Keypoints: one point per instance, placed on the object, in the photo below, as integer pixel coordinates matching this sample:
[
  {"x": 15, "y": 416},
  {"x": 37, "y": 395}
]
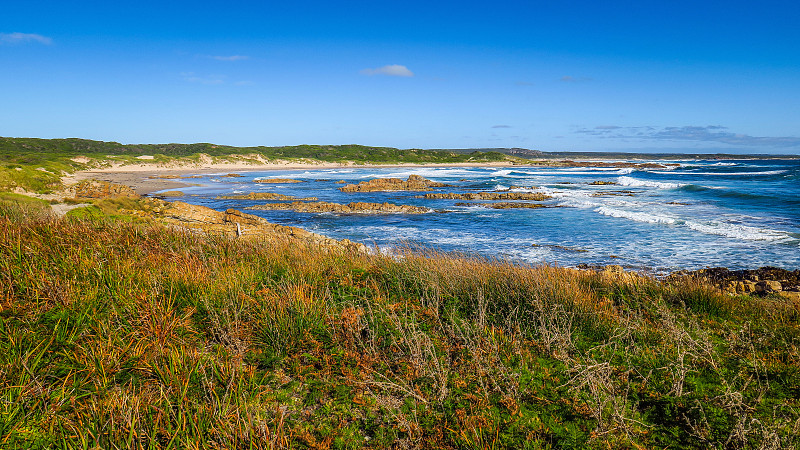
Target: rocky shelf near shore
[
  {"x": 350, "y": 208},
  {"x": 505, "y": 205},
  {"x": 413, "y": 183},
  {"x": 622, "y": 193},
  {"x": 263, "y": 196},
  {"x": 96, "y": 189},
  {"x": 764, "y": 280},
  {"x": 535, "y": 196},
  {"x": 231, "y": 223}
]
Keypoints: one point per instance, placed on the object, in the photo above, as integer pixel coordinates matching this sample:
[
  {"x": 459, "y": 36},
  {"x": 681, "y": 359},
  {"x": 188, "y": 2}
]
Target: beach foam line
[
  {"x": 635, "y": 182},
  {"x": 727, "y": 174},
  {"x": 735, "y": 231}
]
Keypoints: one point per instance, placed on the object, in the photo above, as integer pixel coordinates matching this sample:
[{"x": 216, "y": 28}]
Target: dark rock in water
[
  {"x": 350, "y": 208},
  {"x": 602, "y": 183},
  {"x": 414, "y": 183},
  {"x": 561, "y": 247},
  {"x": 231, "y": 175},
  {"x": 490, "y": 196},
  {"x": 262, "y": 196},
  {"x": 678, "y": 203},
  {"x": 506, "y": 205},
  {"x": 613, "y": 193}
]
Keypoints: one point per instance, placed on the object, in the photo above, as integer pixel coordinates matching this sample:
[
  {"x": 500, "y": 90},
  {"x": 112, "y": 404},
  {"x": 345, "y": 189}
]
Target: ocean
[{"x": 738, "y": 214}]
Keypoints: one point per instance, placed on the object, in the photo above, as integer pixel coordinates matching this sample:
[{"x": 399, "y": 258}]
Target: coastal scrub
[{"x": 120, "y": 334}]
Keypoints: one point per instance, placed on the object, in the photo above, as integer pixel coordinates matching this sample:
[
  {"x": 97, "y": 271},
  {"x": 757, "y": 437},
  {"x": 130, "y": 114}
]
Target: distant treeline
[{"x": 32, "y": 151}]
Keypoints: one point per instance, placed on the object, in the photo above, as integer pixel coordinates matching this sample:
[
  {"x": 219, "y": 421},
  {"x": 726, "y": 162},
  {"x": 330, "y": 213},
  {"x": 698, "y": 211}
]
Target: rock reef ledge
[
  {"x": 350, "y": 208},
  {"x": 535, "y": 196},
  {"x": 414, "y": 183},
  {"x": 234, "y": 223}
]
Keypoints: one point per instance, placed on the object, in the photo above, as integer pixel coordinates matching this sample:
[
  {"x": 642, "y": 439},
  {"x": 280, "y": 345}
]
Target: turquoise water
[{"x": 736, "y": 214}]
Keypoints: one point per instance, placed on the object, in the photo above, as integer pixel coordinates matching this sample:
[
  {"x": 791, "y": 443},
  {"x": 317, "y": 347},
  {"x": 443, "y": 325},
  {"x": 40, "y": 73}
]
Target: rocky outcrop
[
  {"x": 277, "y": 180},
  {"x": 414, "y": 183},
  {"x": 505, "y": 205},
  {"x": 168, "y": 194},
  {"x": 602, "y": 183},
  {"x": 765, "y": 280},
  {"x": 96, "y": 189},
  {"x": 535, "y": 196},
  {"x": 262, "y": 196},
  {"x": 613, "y": 193},
  {"x": 233, "y": 223},
  {"x": 232, "y": 175},
  {"x": 350, "y": 208}
]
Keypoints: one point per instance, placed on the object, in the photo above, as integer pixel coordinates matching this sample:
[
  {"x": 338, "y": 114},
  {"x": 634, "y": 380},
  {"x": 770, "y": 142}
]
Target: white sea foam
[
  {"x": 735, "y": 231},
  {"x": 500, "y": 187},
  {"x": 427, "y": 172},
  {"x": 635, "y": 182},
  {"x": 636, "y": 216},
  {"x": 725, "y": 174}
]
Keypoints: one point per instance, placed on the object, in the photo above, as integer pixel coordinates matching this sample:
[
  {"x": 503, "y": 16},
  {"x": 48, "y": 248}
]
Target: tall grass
[{"x": 122, "y": 335}]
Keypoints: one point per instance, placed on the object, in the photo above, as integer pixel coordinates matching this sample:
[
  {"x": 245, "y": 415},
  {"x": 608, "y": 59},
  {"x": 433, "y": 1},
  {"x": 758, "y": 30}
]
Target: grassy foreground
[{"x": 123, "y": 335}]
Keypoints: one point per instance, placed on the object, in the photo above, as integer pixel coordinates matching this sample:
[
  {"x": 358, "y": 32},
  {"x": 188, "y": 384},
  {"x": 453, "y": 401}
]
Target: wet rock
[
  {"x": 613, "y": 194},
  {"x": 350, "y": 208},
  {"x": 489, "y": 196},
  {"x": 262, "y": 196},
  {"x": 413, "y": 183},
  {"x": 505, "y": 205},
  {"x": 231, "y": 175},
  {"x": 603, "y": 183}
]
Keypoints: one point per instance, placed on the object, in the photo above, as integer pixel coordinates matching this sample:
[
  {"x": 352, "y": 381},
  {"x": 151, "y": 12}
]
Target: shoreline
[{"x": 137, "y": 176}]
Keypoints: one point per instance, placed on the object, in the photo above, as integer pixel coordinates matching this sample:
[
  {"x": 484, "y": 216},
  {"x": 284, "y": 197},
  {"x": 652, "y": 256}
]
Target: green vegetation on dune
[
  {"x": 36, "y": 164},
  {"x": 123, "y": 335}
]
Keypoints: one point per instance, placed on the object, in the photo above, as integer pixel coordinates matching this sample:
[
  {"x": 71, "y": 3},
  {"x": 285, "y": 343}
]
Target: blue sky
[{"x": 555, "y": 76}]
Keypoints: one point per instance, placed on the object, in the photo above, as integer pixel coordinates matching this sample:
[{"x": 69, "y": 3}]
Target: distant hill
[{"x": 33, "y": 151}]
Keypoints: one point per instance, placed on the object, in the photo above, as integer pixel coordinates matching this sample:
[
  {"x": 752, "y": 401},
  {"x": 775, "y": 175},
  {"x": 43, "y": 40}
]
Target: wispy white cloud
[
  {"x": 22, "y": 38},
  {"x": 393, "y": 70},
  {"x": 230, "y": 58},
  {"x": 501, "y": 126},
  {"x": 709, "y": 133}
]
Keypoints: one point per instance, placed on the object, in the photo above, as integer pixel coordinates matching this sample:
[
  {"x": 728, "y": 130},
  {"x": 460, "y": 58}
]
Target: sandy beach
[{"x": 143, "y": 178}]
